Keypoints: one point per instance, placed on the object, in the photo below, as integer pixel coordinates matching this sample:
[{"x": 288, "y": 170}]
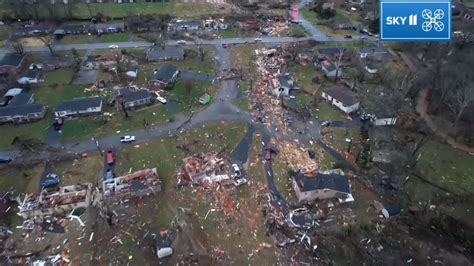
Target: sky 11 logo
[{"x": 417, "y": 20}]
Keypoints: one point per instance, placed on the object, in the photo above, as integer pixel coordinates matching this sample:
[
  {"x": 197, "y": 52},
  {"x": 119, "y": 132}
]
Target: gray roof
[
  {"x": 285, "y": 81},
  {"x": 32, "y": 73},
  {"x": 334, "y": 182},
  {"x": 329, "y": 51},
  {"x": 346, "y": 97},
  {"x": 21, "y": 99},
  {"x": 131, "y": 96},
  {"x": 162, "y": 240},
  {"x": 165, "y": 73},
  {"x": 158, "y": 53},
  {"x": 78, "y": 104},
  {"x": 373, "y": 49},
  {"x": 187, "y": 24},
  {"x": 105, "y": 26},
  {"x": 11, "y": 60},
  {"x": 22, "y": 110}
]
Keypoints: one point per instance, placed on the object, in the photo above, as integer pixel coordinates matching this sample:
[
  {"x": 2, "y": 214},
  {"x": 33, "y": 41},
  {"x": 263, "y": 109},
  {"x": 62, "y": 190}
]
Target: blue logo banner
[{"x": 417, "y": 20}]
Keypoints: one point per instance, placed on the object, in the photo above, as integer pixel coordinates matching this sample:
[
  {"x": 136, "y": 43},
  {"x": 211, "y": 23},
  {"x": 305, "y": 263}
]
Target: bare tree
[
  {"x": 120, "y": 102},
  {"x": 17, "y": 46},
  {"x": 48, "y": 41},
  {"x": 338, "y": 64},
  {"x": 459, "y": 99}
]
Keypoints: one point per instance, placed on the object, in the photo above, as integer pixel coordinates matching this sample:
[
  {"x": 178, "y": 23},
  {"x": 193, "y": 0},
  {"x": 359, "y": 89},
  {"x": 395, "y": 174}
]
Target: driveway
[
  {"x": 241, "y": 152},
  {"x": 53, "y": 137},
  {"x": 196, "y": 76}
]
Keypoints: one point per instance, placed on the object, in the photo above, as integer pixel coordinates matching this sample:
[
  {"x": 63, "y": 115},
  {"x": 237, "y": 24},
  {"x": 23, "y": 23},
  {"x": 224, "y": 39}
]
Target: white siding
[{"x": 385, "y": 121}]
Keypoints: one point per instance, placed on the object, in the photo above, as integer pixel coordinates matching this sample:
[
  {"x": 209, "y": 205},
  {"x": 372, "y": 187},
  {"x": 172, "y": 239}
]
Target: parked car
[
  {"x": 113, "y": 46},
  {"x": 267, "y": 154},
  {"x": 126, "y": 139},
  {"x": 326, "y": 123},
  {"x": 181, "y": 42},
  {"x": 109, "y": 174},
  {"x": 51, "y": 180},
  {"x": 110, "y": 157},
  {"x": 236, "y": 169},
  {"x": 6, "y": 159},
  {"x": 205, "y": 99},
  {"x": 240, "y": 181},
  {"x": 161, "y": 99},
  {"x": 348, "y": 36},
  {"x": 224, "y": 45},
  {"x": 257, "y": 39}
]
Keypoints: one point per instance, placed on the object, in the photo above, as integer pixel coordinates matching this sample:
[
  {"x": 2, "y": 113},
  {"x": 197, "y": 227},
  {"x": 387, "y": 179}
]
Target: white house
[
  {"x": 342, "y": 98},
  {"x": 32, "y": 76},
  {"x": 387, "y": 121},
  {"x": 132, "y": 72},
  {"x": 330, "y": 69},
  {"x": 329, "y": 184},
  {"x": 79, "y": 106}
]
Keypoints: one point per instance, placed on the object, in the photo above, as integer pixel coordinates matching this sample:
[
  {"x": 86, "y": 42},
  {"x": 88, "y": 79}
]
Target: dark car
[
  {"x": 109, "y": 174},
  {"x": 51, "y": 180},
  {"x": 224, "y": 45},
  {"x": 110, "y": 157},
  {"x": 267, "y": 154},
  {"x": 5, "y": 159},
  {"x": 348, "y": 36}
]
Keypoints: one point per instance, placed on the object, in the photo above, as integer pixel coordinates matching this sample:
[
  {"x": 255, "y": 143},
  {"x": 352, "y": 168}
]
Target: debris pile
[
  {"x": 56, "y": 201},
  {"x": 295, "y": 156},
  {"x": 136, "y": 184},
  {"x": 205, "y": 169}
]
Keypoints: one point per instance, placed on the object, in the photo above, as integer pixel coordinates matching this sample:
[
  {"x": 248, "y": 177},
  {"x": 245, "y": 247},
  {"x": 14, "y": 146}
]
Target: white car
[
  {"x": 181, "y": 42},
  {"x": 236, "y": 169},
  {"x": 257, "y": 39},
  {"x": 240, "y": 181},
  {"x": 161, "y": 99},
  {"x": 113, "y": 46},
  {"x": 126, "y": 139}
]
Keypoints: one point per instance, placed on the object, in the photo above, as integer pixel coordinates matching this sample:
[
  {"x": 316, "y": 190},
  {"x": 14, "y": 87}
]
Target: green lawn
[
  {"x": 62, "y": 76},
  {"x": 4, "y": 30},
  {"x": 335, "y": 137},
  {"x": 187, "y": 100},
  {"x": 324, "y": 25},
  {"x": 114, "y": 37},
  {"x": 325, "y": 111},
  {"x": 98, "y": 126},
  {"x": 231, "y": 32},
  {"x": 304, "y": 76},
  {"x": 82, "y": 38}
]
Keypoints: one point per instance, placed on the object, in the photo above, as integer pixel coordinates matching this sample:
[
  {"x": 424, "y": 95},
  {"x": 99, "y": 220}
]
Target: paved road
[{"x": 193, "y": 75}]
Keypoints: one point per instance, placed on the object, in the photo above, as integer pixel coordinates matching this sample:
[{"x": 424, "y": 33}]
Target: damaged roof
[
  {"x": 165, "y": 73},
  {"x": 132, "y": 96},
  {"x": 332, "y": 181},
  {"x": 79, "y": 104}
]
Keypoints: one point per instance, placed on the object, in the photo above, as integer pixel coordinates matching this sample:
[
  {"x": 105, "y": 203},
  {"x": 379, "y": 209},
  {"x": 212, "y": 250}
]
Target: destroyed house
[
  {"x": 31, "y": 76},
  {"x": 282, "y": 85},
  {"x": 165, "y": 76},
  {"x": 22, "y": 113},
  {"x": 324, "y": 185},
  {"x": 330, "y": 69},
  {"x": 79, "y": 106},
  {"x": 204, "y": 169},
  {"x": 136, "y": 184},
  {"x": 134, "y": 98},
  {"x": 168, "y": 53},
  {"x": 375, "y": 52},
  {"x": 56, "y": 202},
  {"x": 163, "y": 244},
  {"x": 330, "y": 53},
  {"x": 342, "y": 98},
  {"x": 187, "y": 25},
  {"x": 12, "y": 63}
]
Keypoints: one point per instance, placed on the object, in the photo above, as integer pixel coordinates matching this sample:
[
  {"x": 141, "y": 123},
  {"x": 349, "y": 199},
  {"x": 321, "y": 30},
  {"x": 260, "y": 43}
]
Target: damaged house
[
  {"x": 134, "y": 98},
  {"x": 56, "y": 202},
  {"x": 330, "y": 69},
  {"x": 324, "y": 185},
  {"x": 136, "y": 184},
  {"x": 282, "y": 85},
  {"x": 165, "y": 76},
  {"x": 205, "y": 169}
]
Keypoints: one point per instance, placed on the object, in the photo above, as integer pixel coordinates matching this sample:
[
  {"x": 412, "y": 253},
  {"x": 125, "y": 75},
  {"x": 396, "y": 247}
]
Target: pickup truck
[{"x": 126, "y": 139}]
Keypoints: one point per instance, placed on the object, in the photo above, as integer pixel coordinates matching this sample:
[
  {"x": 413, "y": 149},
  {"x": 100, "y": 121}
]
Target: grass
[
  {"x": 115, "y": 37},
  {"x": 62, "y": 76},
  {"x": 244, "y": 104},
  {"x": 304, "y": 76},
  {"x": 98, "y": 126},
  {"x": 283, "y": 181},
  {"x": 189, "y": 100},
  {"x": 335, "y": 137},
  {"x": 231, "y": 32},
  {"x": 20, "y": 179},
  {"x": 326, "y": 111},
  {"x": 297, "y": 30},
  {"x": 324, "y": 25},
  {"x": 84, "y": 170},
  {"x": 81, "y": 38},
  {"x": 4, "y": 30}
]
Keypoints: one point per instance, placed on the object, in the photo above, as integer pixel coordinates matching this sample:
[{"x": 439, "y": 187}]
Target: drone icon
[{"x": 432, "y": 20}]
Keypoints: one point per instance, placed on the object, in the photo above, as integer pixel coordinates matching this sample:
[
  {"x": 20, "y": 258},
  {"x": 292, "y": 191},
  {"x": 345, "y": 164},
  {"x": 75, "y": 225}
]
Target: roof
[
  {"x": 104, "y": 26},
  {"x": 187, "y": 23},
  {"x": 165, "y": 73},
  {"x": 32, "y": 73},
  {"x": 131, "y": 96},
  {"x": 285, "y": 81},
  {"x": 158, "y": 53},
  {"x": 346, "y": 97},
  {"x": 133, "y": 68},
  {"x": 22, "y": 110},
  {"x": 77, "y": 27},
  {"x": 329, "y": 66},
  {"x": 11, "y": 60},
  {"x": 329, "y": 51},
  {"x": 162, "y": 240},
  {"x": 332, "y": 181},
  {"x": 78, "y": 104},
  {"x": 13, "y": 92},
  {"x": 21, "y": 99},
  {"x": 373, "y": 49}
]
